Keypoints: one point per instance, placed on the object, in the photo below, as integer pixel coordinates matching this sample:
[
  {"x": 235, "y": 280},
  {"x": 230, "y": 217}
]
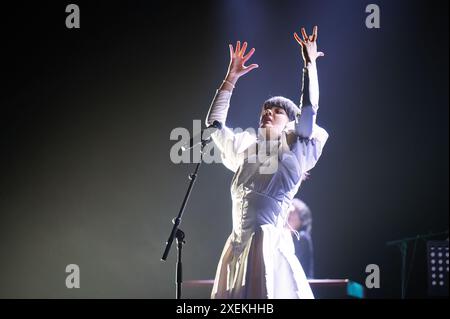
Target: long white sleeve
[
  {"x": 305, "y": 124},
  {"x": 219, "y": 108},
  {"x": 311, "y": 137},
  {"x": 231, "y": 145}
]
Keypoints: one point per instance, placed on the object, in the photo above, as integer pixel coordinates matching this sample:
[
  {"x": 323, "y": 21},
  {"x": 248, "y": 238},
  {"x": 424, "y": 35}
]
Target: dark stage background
[{"x": 86, "y": 115}]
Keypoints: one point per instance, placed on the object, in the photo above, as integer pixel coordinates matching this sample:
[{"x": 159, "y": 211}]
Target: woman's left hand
[{"x": 309, "y": 46}]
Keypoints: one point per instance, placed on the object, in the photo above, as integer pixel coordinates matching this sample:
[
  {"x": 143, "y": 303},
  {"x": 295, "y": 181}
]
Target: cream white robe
[{"x": 258, "y": 260}]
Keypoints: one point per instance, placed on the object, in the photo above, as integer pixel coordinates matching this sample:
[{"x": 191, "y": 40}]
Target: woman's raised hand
[
  {"x": 309, "y": 45},
  {"x": 238, "y": 58}
]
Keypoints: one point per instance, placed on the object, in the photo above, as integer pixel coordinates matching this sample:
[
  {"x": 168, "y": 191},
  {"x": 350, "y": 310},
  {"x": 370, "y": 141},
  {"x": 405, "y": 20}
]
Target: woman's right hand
[{"x": 236, "y": 69}]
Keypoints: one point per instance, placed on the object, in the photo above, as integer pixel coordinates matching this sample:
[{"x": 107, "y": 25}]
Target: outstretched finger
[
  {"x": 244, "y": 47},
  {"x": 251, "y": 67},
  {"x": 315, "y": 33},
  {"x": 249, "y": 55},
  {"x": 305, "y": 36},
  {"x": 297, "y": 38},
  {"x": 320, "y": 54},
  {"x": 238, "y": 47},
  {"x": 231, "y": 51}
]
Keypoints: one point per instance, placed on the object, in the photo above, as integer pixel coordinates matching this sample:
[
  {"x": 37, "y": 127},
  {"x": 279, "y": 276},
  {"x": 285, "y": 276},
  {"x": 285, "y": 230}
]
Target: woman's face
[
  {"x": 273, "y": 121},
  {"x": 274, "y": 118}
]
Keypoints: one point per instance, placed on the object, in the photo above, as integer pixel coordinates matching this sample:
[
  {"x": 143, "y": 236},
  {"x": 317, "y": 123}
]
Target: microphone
[{"x": 199, "y": 138}]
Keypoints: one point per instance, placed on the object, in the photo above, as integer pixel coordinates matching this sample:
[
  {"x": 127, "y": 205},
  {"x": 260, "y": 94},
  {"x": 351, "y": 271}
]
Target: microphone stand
[
  {"x": 402, "y": 244},
  {"x": 176, "y": 231}
]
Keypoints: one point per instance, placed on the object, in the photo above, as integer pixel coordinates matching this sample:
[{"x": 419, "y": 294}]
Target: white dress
[{"x": 258, "y": 260}]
